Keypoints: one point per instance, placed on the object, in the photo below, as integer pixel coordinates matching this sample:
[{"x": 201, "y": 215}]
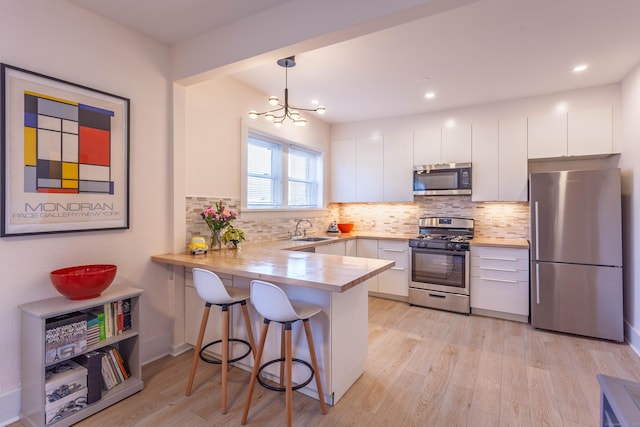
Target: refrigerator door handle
[
  {"x": 537, "y": 243},
  {"x": 537, "y": 283},
  {"x": 537, "y": 238}
]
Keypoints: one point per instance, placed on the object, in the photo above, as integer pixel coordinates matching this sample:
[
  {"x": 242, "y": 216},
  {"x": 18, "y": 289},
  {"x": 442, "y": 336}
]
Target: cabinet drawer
[
  {"x": 506, "y": 274},
  {"x": 495, "y": 252},
  {"x": 399, "y": 256},
  {"x": 500, "y": 296},
  {"x": 504, "y": 261}
]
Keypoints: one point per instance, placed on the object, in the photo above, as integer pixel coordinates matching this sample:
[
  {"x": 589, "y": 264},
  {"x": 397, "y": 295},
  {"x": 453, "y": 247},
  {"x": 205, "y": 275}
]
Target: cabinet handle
[
  {"x": 498, "y": 269},
  {"x": 498, "y": 280},
  {"x": 393, "y": 250},
  {"x": 397, "y": 268},
  {"x": 499, "y": 259}
]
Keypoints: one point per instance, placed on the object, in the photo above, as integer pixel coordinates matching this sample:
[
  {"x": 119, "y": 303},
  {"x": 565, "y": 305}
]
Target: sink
[{"x": 312, "y": 239}]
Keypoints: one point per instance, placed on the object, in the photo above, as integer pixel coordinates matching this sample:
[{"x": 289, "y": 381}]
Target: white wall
[
  {"x": 61, "y": 40},
  {"x": 215, "y": 111},
  {"x": 630, "y": 137}
]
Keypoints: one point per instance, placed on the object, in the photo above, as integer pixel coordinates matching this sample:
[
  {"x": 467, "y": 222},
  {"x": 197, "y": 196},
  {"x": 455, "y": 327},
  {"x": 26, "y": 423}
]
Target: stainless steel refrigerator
[{"x": 576, "y": 252}]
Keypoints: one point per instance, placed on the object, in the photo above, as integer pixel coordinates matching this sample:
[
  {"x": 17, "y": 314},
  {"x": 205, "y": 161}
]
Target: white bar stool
[
  {"x": 273, "y": 304},
  {"x": 211, "y": 289}
]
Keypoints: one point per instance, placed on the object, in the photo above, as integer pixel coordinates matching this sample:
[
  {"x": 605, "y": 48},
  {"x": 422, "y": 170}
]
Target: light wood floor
[{"x": 425, "y": 368}]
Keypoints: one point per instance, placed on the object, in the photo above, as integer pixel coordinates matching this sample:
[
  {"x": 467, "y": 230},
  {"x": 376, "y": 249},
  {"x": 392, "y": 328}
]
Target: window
[{"x": 281, "y": 174}]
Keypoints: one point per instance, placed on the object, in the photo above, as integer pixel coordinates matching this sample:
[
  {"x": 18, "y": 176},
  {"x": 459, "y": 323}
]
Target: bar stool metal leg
[
  {"x": 225, "y": 356},
  {"x": 196, "y": 354},
  {"x": 288, "y": 368}
]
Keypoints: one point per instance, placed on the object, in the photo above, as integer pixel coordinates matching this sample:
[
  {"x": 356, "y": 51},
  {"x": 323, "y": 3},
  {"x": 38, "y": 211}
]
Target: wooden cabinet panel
[{"x": 334, "y": 248}]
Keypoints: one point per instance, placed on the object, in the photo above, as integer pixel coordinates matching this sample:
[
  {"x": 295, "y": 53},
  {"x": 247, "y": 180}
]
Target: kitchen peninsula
[{"x": 332, "y": 282}]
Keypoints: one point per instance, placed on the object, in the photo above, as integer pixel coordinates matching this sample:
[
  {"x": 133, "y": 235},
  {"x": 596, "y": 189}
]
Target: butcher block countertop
[
  {"x": 278, "y": 261},
  {"x": 502, "y": 243}
]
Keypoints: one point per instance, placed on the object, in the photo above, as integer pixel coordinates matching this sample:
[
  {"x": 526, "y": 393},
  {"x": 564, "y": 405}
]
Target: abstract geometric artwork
[
  {"x": 65, "y": 163},
  {"x": 66, "y": 146}
]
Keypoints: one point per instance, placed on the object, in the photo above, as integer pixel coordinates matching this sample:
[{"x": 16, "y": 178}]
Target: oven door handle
[{"x": 440, "y": 251}]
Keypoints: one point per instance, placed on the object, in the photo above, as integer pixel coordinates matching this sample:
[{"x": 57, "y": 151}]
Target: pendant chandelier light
[{"x": 284, "y": 111}]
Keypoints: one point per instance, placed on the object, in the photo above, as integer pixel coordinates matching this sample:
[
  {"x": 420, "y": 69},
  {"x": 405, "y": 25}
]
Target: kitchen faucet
[{"x": 297, "y": 233}]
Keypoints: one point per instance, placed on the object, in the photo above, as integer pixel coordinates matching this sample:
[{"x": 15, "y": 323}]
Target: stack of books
[
  {"x": 95, "y": 327},
  {"x": 114, "y": 371}
]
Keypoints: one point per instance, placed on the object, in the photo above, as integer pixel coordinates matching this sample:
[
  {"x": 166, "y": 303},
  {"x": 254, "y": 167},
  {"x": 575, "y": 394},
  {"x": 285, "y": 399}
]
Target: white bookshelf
[{"x": 33, "y": 318}]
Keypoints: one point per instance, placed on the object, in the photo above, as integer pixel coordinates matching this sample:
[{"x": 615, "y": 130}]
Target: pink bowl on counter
[{"x": 83, "y": 281}]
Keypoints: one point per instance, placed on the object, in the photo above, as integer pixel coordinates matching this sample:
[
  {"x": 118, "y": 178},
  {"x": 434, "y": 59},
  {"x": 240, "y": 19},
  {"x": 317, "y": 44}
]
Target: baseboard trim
[
  {"x": 10, "y": 407},
  {"x": 632, "y": 337}
]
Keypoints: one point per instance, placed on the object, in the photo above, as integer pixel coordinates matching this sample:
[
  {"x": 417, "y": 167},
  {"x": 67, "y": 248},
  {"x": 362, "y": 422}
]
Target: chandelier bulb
[
  {"x": 295, "y": 115},
  {"x": 273, "y": 100},
  {"x": 321, "y": 110},
  {"x": 277, "y": 123},
  {"x": 253, "y": 114},
  {"x": 269, "y": 116}
]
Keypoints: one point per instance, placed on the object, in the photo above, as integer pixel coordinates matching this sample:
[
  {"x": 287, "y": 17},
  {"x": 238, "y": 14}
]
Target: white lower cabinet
[
  {"x": 333, "y": 248},
  {"x": 368, "y": 248},
  {"x": 394, "y": 281},
  {"x": 500, "y": 282}
]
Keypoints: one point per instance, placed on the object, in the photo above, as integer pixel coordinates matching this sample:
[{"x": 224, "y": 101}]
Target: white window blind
[
  {"x": 271, "y": 185},
  {"x": 264, "y": 173}
]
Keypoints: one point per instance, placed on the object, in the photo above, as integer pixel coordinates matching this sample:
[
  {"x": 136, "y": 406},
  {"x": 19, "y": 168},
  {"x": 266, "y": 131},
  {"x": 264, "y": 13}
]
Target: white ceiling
[{"x": 487, "y": 51}]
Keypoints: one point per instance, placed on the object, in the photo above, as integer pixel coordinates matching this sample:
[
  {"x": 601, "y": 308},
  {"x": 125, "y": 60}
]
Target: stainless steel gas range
[{"x": 440, "y": 264}]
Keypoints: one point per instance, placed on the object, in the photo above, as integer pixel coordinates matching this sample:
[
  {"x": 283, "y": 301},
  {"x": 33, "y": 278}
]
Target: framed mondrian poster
[{"x": 64, "y": 156}]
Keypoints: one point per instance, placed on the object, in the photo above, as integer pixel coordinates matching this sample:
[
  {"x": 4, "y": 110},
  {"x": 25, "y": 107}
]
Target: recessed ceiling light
[
  {"x": 430, "y": 95},
  {"x": 580, "y": 68},
  {"x": 451, "y": 123}
]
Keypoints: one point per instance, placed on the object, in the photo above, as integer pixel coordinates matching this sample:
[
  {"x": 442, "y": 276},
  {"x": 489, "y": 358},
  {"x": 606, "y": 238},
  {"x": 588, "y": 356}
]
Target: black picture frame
[{"x": 64, "y": 156}]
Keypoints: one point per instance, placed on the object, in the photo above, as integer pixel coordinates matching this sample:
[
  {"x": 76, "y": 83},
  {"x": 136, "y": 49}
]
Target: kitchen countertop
[
  {"x": 279, "y": 261},
  {"x": 498, "y": 242}
]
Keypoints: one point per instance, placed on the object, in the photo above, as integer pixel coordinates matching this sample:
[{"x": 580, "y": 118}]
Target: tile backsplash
[{"x": 500, "y": 220}]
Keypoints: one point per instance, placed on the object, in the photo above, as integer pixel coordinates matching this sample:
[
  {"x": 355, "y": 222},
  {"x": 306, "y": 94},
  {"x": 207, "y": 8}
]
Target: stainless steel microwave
[{"x": 442, "y": 180}]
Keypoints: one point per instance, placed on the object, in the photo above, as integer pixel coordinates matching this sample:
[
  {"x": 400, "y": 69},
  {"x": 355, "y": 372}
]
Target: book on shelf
[
  {"x": 92, "y": 360},
  {"x": 113, "y": 367},
  {"x": 108, "y": 376},
  {"x": 108, "y": 320},
  {"x": 126, "y": 314}
]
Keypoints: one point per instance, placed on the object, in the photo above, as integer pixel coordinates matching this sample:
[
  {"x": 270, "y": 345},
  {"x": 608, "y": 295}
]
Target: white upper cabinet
[
  {"x": 397, "y": 173},
  {"x": 427, "y": 146},
  {"x": 499, "y": 160},
  {"x": 369, "y": 165},
  {"x": 485, "y": 179},
  {"x": 547, "y": 136},
  {"x": 512, "y": 159},
  {"x": 576, "y": 133},
  {"x": 590, "y": 132},
  {"x": 456, "y": 143},
  {"x": 343, "y": 170},
  {"x": 436, "y": 144}
]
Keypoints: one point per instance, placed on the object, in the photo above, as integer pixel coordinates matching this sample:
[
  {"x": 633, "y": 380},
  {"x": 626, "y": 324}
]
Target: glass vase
[{"x": 215, "y": 241}]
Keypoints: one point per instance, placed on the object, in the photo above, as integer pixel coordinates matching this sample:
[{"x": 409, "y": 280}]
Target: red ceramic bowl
[
  {"x": 345, "y": 227},
  {"x": 83, "y": 281}
]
